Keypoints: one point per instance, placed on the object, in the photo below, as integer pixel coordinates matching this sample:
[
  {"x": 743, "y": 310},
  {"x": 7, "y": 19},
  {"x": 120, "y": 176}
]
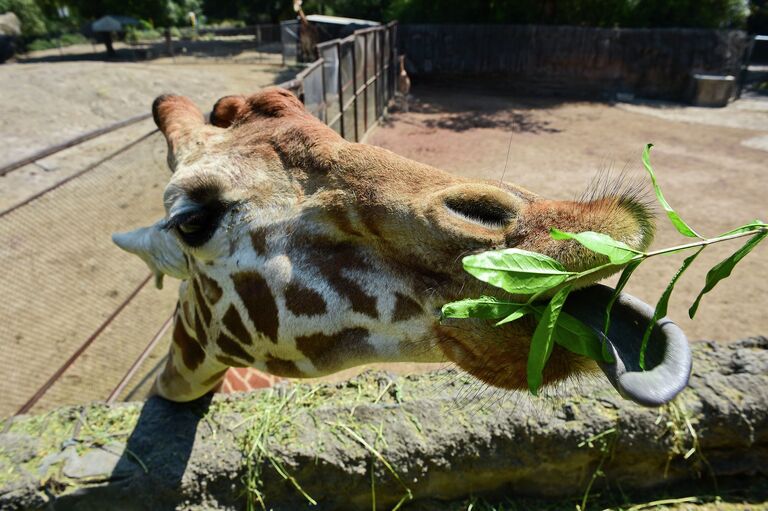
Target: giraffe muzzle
[{"x": 668, "y": 356}]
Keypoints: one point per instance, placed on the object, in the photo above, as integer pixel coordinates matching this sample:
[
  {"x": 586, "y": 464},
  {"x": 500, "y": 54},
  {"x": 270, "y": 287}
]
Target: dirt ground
[
  {"x": 47, "y": 103},
  {"x": 63, "y": 276},
  {"x": 706, "y": 160}
]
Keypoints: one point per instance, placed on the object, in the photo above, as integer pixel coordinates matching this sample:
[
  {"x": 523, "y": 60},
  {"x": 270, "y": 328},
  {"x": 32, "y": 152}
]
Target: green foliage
[
  {"x": 543, "y": 340},
  {"x": 485, "y": 307},
  {"x": 30, "y": 15},
  {"x": 64, "y": 40},
  {"x": 527, "y": 273},
  {"x": 133, "y": 35},
  {"x": 724, "y": 268},
  {"x": 678, "y": 222},
  {"x": 516, "y": 271},
  {"x": 600, "y": 13},
  {"x": 617, "y": 251},
  {"x": 661, "y": 306},
  {"x": 757, "y": 23},
  {"x": 252, "y": 11},
  {"x": 178, "y": 12}
]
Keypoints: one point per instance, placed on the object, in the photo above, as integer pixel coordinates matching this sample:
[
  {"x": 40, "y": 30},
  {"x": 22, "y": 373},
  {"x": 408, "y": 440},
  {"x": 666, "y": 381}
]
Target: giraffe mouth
[{"x": 668, "y": 356}]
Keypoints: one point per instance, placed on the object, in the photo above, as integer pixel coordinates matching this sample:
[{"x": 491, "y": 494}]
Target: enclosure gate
[{"x": 350, "y": 85}]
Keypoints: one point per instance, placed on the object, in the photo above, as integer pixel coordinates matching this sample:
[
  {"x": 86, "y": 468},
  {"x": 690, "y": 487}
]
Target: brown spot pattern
[
  {"x": 235, "y": 325},
  {"x": 259, "y": 240},
  {"x": 405, "y": 308},
  {"x": 232, "y": 348},
  {"x": 339, "y": 216},
  {"x": 202, "y": 337},
  {"x": 331, "y": 259},
  {"x": 205, "y": 311},
  {"x": 211, "y": 288},
  {"x": 303, "y": 301},
  {"x": 328, "y": 351},
  {"x": 191, "y": 352},
  {"x": 258, "y": 301},
  {"x": 186, "y": 314},
  {"x": 285, "y": 368}
]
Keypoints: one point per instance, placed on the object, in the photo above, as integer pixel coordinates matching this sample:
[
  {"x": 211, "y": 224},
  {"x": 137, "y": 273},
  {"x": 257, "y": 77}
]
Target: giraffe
[
  {"x": 308, "y": 34},
  {"x": 301, "y": 254},
  {"x": 403, "y": 84}
]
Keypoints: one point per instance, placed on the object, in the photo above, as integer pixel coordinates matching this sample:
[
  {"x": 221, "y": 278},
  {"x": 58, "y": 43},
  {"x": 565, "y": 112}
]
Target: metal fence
[
  {"x": 350, "y": 85},
  {"x": 81, "y": 321}
]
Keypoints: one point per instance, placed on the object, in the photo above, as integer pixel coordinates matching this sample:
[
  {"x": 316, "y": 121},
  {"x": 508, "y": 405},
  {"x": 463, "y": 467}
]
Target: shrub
[
  {"x": 29, "y": 13},
  {"x": 49, "y": 43}
]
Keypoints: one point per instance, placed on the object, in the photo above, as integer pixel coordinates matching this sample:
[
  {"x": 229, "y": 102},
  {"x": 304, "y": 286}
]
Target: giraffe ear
[
  {"x": 156, "y": 247},
  {"x": 179, "y": 119},
  {"x": 270, "y": 102},
  {"x": 227, "y": 110}
]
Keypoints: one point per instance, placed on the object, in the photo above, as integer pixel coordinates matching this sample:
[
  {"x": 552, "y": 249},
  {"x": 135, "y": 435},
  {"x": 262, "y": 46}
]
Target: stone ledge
[{"x": 442, "y": 440}]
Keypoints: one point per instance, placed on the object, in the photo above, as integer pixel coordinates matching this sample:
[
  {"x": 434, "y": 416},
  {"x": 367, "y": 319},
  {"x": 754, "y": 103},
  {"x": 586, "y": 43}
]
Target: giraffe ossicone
[{"x": 302, "y": 254}]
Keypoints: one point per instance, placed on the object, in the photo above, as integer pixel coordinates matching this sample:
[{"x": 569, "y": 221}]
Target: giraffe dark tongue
[{"x": 667, "y": 359}]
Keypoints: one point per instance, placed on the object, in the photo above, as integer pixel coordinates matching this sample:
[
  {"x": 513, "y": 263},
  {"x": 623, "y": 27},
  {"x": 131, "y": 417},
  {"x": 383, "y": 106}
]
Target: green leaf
[
  {"x": 751, "y": 226},
  {"x": 542, "y": 340},
  {"x": 519, "y": 313},
  {"x": 618, "y": 252},
  {"x": 516, "y": 271},
  {"x": 575, "y": 336},
  {"x": 661, "y": 306},
  {"x": 485, "y": 307},
  {"x": 623, "y": 279},
  {"x": 723, "y": 269},
  {"x": 682, "y": 227}
]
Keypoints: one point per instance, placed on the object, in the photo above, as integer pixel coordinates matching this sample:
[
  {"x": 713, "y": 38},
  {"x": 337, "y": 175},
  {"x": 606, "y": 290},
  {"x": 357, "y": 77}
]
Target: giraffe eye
[{"x": 197, "y": 226}]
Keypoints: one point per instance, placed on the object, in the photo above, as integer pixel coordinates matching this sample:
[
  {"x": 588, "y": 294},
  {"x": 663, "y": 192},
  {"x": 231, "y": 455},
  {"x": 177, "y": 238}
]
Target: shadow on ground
[
  {"x": 153, "y": 462},
  {"x": 215, "y": 48},
  {"x": 458, "y": 111}
]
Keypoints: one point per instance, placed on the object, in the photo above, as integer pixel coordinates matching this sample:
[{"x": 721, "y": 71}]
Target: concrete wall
[
  {"x": 443, "y": 439},
  {"x": 582, "y": 61}
]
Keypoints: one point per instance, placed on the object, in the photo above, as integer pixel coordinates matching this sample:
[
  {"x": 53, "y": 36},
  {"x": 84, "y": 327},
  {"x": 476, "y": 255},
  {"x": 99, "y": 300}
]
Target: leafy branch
[{"x": 519, "y": 272}]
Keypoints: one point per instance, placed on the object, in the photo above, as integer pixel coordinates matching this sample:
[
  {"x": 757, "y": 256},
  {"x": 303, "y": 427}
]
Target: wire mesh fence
[{"x": 80, "y": 319}]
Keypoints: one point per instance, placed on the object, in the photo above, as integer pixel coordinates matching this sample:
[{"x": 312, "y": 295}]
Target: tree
[{"x": 29, "y": 13}]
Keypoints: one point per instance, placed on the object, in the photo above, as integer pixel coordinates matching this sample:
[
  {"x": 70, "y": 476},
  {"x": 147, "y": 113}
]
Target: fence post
[
  {"x": 354, "y": 83},
  {"x": 340, "y": 87},
  {"x": 365, "y": 83}
]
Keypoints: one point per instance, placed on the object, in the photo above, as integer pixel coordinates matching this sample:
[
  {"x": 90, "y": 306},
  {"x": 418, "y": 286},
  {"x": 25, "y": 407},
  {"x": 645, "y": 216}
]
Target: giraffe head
[{"x": 302, "y": 253}]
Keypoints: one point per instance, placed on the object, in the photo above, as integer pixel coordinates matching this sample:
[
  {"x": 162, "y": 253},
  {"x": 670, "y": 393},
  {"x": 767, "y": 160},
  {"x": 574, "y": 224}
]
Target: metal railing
[
  {"x": 348, "y": 88},
  {"x": 351, "y": 84}
]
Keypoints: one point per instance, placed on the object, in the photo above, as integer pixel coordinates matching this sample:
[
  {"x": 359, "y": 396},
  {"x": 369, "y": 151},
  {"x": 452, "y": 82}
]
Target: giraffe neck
[{"x": 292, "y": 309}]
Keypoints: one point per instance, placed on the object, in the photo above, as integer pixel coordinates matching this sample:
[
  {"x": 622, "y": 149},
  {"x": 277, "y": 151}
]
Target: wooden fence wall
[{"x": 582, "y": 61}]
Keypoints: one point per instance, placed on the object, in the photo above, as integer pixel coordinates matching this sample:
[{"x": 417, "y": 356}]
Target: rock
[
  {"x": 99, "y": 462},
  {"x": 10, "y": 29},
  {"x": 10, "y": 24},
  {"x": 328, "y": 438}
]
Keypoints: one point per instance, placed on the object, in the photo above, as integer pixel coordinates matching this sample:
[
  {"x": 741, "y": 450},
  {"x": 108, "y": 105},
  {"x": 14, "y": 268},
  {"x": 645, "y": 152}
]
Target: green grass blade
[
  {"x": 485, "y": 307},
  {"x": 618, "y": 252},
  {"x": 661, "y": 306},
  {"x": 682, "y": 227},
  {"x": 542, "y": 340},
  {"x": 516, "y": 271},
  {"x": 723, "y": 269}
]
